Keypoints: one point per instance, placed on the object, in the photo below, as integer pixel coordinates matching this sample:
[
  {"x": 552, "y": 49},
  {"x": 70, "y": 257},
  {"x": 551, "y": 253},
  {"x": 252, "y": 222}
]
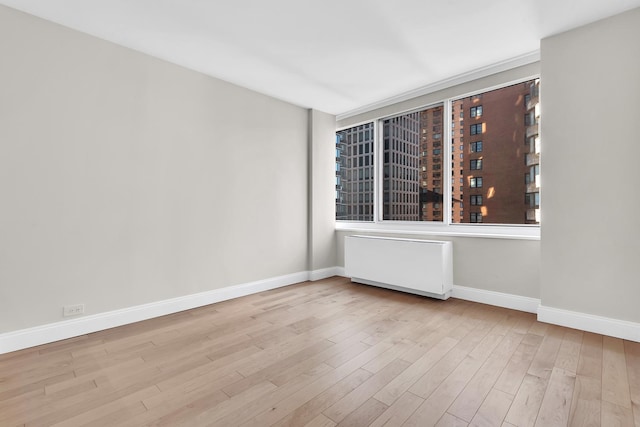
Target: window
[
  {"x": 507, "y": 162},
  {"x": 532, "y": 200},
  {"x": 406, "y": 197},
  {"x": 354, "y": 179},
  {"x": 476, "y": 111},
  {"x": 530, "y": 118},
  {"x": 413, "y": 161},
  {"x": 475, "y": 217},
  {"x": 475, "y": 164},
  {"x": 475, "y": 182},
  {"x": 476, "y": 128}
]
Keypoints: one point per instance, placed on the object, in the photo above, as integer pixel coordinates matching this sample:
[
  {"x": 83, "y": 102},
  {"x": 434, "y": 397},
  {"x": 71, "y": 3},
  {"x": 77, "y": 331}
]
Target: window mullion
[
  {"x": 446, "y": 191},
  {"x": 377, "y": 171}
]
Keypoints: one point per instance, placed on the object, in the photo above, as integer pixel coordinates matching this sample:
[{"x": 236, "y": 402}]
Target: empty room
[{"x": 319, "y": 213}]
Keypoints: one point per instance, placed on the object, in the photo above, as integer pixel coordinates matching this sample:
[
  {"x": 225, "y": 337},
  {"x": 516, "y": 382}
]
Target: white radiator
[{"x": 423, "y": 267}]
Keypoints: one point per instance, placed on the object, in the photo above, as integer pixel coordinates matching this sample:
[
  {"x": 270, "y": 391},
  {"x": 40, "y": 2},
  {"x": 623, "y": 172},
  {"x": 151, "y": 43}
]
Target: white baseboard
[
  {"x": 25, "y": 338},
  {"x": 499, "y": 299},
  {"x": 325, "y": 273},
  {"x": 591, "y": 323}
]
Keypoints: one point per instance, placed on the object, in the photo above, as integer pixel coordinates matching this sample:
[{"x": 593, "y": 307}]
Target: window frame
[
  {"x": 473, "y": 111},
  {"x": 438, "y": 228}
]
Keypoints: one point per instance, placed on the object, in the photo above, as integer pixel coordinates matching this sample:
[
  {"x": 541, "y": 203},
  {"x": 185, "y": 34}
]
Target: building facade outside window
[
  {"x": 415, "y": 166},
  {"x": 355, "y": 173}
]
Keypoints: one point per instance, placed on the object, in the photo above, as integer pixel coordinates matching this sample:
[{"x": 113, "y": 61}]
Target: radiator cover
[{"x": 423, "y": 267}]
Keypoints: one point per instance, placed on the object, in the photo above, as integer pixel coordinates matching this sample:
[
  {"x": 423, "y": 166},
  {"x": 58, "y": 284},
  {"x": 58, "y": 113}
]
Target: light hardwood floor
[{"x": 328, "y": 353}]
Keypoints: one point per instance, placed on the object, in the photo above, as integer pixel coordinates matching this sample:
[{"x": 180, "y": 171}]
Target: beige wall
[
  {"x": 591, "y": 149},
  {"x": 322, "y": 214},
  {"x": 126, "y": 180}
]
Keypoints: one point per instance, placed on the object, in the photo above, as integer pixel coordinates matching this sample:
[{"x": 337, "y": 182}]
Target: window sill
[{"x": 515, "y": 232}]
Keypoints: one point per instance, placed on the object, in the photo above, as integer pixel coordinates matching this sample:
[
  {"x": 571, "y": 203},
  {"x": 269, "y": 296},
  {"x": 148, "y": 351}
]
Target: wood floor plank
[
  {"x": 365, "y": 414},
  {"x": 526, "y": 404},
  {"x": 554, "y": 410},
  {"x": 436, "y": 403},
  {"x": 448, "y": 420},
  {"x": 276, "y": 368},
  {"x": 445, "y": 394},
  {"x": 590, "y": 361},
  {"x": 252, "y": 408},
  {"x": 206, "y": 414},
  {"x": 569, "y": 352},
  {"x": 128, "y": 406},
  {"x": 545, "y": 358},
  {"x": 511, "y": 377},
  {"x": 616, "y": 415},
  {"x": 320, "y": 421},
  {"x": 632, "y": 353},
  {"x": 471, "y": 398},
  {"x": 303, "y": 406},
  {"x": 399, "y": 348},
  {"x": 399, "y": 411},
  {"x": 327, "y": 353},
  {"x": 430, "y": 381},
  {"x": 42, "y": 403},
  {"x": 349, "y": 403},
  {"x": 615, "y": 381},
  {"x": 399, "y": 385},
  {"x": 493, "y": 410},
  {"x": 586, "y": 402}
]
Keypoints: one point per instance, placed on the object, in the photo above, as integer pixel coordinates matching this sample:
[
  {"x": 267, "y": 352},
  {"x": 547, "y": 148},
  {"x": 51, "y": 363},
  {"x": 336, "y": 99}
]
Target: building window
[
  {"x": 476, "y": 129},
  {"x": 476, "y": 200},
  {"x": 475, "y": 182},
  {"x": 476, "y": 111},
  {"x": 530, "y": 118},
  {"x": 475, "y": 164},
  {"x": 475, "y": 217},
  {"x": 476, "y": 147}
]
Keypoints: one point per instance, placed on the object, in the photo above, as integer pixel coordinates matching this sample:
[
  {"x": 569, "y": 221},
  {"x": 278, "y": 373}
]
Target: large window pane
[
  {"x": 354, "y": 173},
  {"x": 412, "y": 171},
  {"x": 503, "y": 146}
]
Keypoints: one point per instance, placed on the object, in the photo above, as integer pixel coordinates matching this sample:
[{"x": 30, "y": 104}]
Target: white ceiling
[{"x": 332, "y": 55}]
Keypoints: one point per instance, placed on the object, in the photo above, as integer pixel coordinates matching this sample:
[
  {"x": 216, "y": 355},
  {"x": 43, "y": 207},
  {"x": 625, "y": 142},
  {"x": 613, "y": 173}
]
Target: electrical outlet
[{"x": 72, "y": 310}]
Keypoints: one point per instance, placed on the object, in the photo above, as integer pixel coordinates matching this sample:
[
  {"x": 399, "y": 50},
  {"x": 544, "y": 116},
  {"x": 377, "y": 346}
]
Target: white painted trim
[
  {"x": 487, "y": 231},
  {"x": 25, "y": 338},
  {"x": 499, "y": 299},
  {"x": 526, "y": 59},
  {"x": 325, "y": 273},
  {"x": 591, "y": 323}
]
